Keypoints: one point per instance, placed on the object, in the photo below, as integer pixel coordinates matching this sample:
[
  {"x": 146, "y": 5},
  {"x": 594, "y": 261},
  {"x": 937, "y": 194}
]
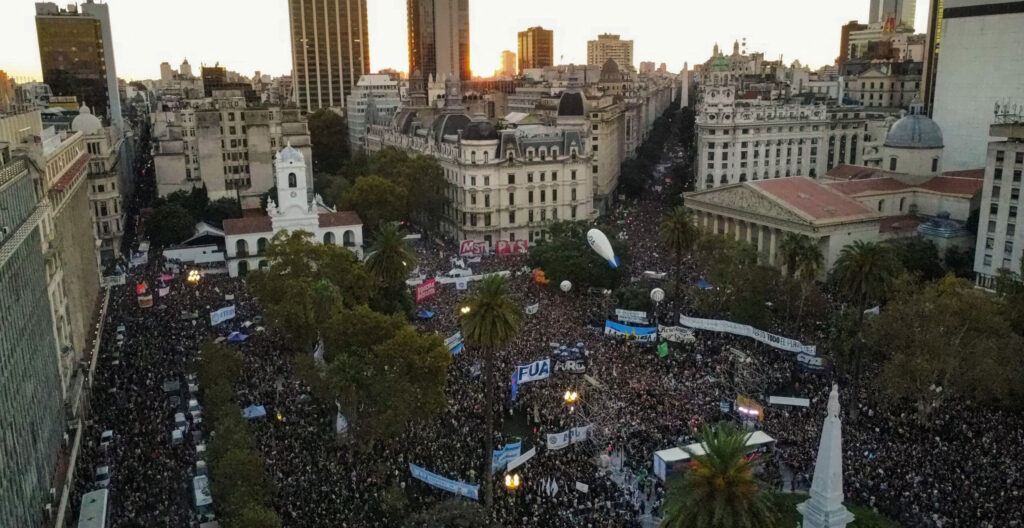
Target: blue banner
[
  {"x": 219, "y": 316},
  {"x": 453, "y": 486},
  {"x": 501, "y": 457},
  {"x": 515, "y": 384},
  {"x": 535, "y": 371},
  {"x": 643, "y": 334}
]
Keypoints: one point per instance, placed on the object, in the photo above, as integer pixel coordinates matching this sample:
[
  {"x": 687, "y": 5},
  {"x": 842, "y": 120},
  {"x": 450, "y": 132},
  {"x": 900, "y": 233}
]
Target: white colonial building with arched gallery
[{"x": 246, "y": 239}]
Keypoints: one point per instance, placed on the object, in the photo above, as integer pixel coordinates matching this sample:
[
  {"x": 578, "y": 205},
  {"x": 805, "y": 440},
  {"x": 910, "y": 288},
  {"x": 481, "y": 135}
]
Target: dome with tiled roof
[
  {"x": 290, "y": 155},
  {"x": 914, "y": 131}
]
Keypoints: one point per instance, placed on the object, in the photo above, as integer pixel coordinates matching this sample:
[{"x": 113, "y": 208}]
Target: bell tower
[{"x": 293, "y": 206}]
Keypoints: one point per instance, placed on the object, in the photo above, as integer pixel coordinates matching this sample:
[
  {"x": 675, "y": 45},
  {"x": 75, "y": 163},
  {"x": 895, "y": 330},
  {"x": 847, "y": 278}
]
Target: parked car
[
  {"x": 195, "y": 410},
  {"x": 106, "y": 440},
  {"x": 180, "y": 423}
]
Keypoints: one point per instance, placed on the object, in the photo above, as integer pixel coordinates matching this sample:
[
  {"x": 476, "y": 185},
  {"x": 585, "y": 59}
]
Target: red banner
[
  {"x": 426, "y": 290},
  {"x": 472, "y": 248},
  {"x": 507, "y": 247}
]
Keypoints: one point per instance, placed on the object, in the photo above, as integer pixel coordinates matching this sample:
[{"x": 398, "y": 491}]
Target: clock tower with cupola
[{"x": 293, "y": 209}]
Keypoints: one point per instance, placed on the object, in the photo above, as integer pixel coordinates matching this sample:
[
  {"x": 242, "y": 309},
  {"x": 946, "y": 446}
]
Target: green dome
[{"x": 720, "y": 63}]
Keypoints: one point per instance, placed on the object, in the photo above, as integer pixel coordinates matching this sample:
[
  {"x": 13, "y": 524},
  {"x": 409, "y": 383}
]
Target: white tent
[{"x": 666, "y": 458}]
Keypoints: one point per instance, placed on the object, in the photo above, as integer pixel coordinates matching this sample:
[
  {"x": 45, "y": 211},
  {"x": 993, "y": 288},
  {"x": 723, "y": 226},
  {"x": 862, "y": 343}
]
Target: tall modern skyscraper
[
  {"x": 330, "y": 50},
  {"x": 439, "y": 38},
  {"x": 76, "y": 51},
  {"x": 903, "y": 10},
  {"x": 536, "y": 48}
]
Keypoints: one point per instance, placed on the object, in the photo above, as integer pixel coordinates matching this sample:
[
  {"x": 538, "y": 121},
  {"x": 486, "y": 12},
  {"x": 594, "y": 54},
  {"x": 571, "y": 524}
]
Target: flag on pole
[
  {"x": 663, "y": 349},
  {"x": 515, "y": 383}
]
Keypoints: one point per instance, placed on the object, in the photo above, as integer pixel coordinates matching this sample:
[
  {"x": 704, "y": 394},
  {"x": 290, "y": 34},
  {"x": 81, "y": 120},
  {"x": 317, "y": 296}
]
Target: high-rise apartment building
[
  {"x": 536, "y": 48},
  {"x": 439, "y": 38},
  {"x": 1000, "y": 245},
  {"x": 608, "y": 46},
  {"x": 508, "y": 64},
  {"x": 902, "y": 10},
  {"x": 330, "y": 50},
  {"x": 76, "y": 52},
  {"x": 980, "y": 66}
]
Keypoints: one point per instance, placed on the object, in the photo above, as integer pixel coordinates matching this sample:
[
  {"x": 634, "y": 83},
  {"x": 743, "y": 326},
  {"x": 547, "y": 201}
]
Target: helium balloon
[
  {"x": 599, "y": 243},
  {"x": 565, "y": 286},
  {"x": 657, "y": 295}
]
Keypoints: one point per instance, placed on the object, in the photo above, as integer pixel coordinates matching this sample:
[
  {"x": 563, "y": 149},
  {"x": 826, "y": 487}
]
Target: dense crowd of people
[{"x": 960, "y": 469}]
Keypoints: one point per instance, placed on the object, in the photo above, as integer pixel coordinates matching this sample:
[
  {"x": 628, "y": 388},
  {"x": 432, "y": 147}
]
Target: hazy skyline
[{"x": 246, "y": 36}]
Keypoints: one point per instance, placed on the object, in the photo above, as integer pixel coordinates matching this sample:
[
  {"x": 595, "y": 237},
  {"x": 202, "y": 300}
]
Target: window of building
[
  {"x": 999, "y": 156},
  {"x": 512, "y": 217},
  {"x": 543, "y": 193},
  {"x": 593, "y": 170},
  {"x": 554, "y": 175},
  {"x": 487, "y": 200},
  {"x": 511, "y": 198},
  {"x": 935, "y": 164},
  {"x": 472, "y": 220},
  {"x": 529, "y": 215},
  {"x": 529, "y": 177},
  {"x": 292, "y": 180},
  {"x": 572, "y": 174},
  {"x": 543, "y": 215},
  {"x": 472, "y": 181},
  {"x": 472, "y": 198},
  {"x": 993, "y": 209},
  {"x": 511, "y": 179},
  {"x": 529, "y": 197},
  {"x": 892, "y": 163}
]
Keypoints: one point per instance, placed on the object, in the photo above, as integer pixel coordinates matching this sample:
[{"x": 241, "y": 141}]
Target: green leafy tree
[
  {"x": 920, "y": 257},
  {"x": 169, "y": 225},
  {"x": 718, "y": 489},
  {"x": 566, "y": 255},
  {"x": 307, "y": 283},
  {"x": 387, "y": 381},
  {"x": 802, "y": 257},
  {"x": 1010, "y": 287},
  {"x": 376, "y": 200},
  {"x": 679, "y": 233},
  {"x": 947, "y": 339},
  {"x": 328, "y": 133},
  {"x": 492, "y": 321},
  {"x": 390, "y": 261},
  {"x": 219, "y": 210},
  {"x": 960, "y": 262}
]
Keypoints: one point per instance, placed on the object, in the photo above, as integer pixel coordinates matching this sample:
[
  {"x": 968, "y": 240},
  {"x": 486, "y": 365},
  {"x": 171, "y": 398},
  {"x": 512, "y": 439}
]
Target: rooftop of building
[
  {"x": 812, "y": 200},
  {"x": 883, "y": 184},
  {"x": 914, "y": 131}
]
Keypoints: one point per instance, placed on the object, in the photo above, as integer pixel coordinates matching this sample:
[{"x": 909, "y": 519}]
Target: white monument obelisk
[{"x": 825, "y": 507}]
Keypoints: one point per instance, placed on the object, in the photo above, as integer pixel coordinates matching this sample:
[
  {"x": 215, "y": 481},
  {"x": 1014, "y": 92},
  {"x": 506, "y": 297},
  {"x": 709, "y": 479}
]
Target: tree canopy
[
  {"x": 328, "y": 133},
  {"x": 947, "y": 339},
  {"x": 376, "y": 200},
  {"x": 566, "y": 255},
  {"x": 170, "y": 224}
]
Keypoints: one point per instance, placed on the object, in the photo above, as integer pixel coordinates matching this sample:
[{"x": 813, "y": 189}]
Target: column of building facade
[{"x": 774, "y": 247}]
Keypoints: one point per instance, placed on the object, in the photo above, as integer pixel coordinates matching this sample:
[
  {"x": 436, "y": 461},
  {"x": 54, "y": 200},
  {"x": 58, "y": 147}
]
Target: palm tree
[
  {"x": 679, "y": 233},
  {"x": 491, "y": 321},
  {"x": 718, "y": 489},
  {"x": 863, "y": 272},
  {"x": 390, "y": 258}
]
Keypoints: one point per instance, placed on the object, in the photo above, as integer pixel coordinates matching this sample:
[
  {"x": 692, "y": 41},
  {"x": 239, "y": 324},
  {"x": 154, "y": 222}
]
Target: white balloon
[
  {"x": 565, "y": 286},
  {"x": 657, "y": 295},
  {"x": 599, "y": 243}
]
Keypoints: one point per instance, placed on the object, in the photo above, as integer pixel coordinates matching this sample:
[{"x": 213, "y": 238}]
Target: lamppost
[
  {"x": 570, "y": 398},
  {"x": 193, "y": 276},
  {"x": 465, "y": 310},
  {"x": 512, "y": 481}
]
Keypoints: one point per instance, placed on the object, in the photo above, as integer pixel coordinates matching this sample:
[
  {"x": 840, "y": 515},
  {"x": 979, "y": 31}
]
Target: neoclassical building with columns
[
  {"x": 762, "y": 212},
  {"x": 246, "y": 239}
]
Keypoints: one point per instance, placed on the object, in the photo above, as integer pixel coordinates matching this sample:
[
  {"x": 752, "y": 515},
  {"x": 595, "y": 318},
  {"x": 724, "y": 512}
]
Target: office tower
[
  {"x": 844, "y": 41},
  {"x": 508, "y": 64},
  {"x": 30, "y": 388},
  {"x": 902, "y": 10},
  {"x": 931, "y": 55},
  {"x": 608, "y": 46},
  {"x": 978, "y": 68},
  {"x": 536, "y": 48},
  {"x": 330, "y": 50},
  {"x": 439, "y": 38},
  {"x": 76, "y": 52}
]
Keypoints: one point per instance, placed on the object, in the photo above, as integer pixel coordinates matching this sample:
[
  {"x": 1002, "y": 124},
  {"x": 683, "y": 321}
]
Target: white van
[
  {"x": 195, "y": 410},
  {"x": 180, "y": 423},
  {"x": 102, "y": 476},
  {"x": 177, "y": 438}
]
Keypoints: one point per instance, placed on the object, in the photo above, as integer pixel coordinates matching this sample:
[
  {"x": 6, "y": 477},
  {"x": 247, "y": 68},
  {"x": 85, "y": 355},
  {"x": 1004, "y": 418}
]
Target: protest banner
[
  {"x": 426, "y": 290},
  {"x": 772, "y": 340},
  {"x": 219, "y": 316},
  {"x": 521, "y": 459},
  {"x": 642, "y": 334},
  {"x": 631, "y": 316},
  {"x": 514, "y": 247},
  {"x": 453, "y": 486},
  {"x": 454, "y": 343}
]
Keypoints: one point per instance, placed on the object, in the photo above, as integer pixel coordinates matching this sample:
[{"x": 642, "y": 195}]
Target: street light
[
  {"x": 465, "y": 310},
  {"x": 512, "y": 481},
  {"x": 193, "y": 276},
  {"x": 571, "y": 396}
]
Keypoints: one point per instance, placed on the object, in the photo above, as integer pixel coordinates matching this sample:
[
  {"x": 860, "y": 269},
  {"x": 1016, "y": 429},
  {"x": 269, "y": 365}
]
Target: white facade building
[
  {"x": 981, "y": 65},
  {"x": 109, "y": 181},
  {"x": 1000, "y": 243},
  {"x": 246, "y": 239}
]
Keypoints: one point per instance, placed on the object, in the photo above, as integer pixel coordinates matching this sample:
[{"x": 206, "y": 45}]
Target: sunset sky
[{"x": 250, "y": 35}]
